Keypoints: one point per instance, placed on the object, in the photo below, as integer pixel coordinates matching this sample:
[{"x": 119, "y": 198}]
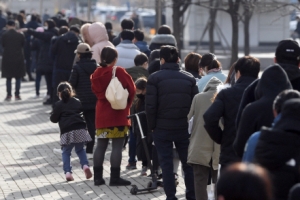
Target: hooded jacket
[
  {"x": 278, "y": 150},
  {"x": 99, "y": 37},
  {"x": 161, "y": 40},
  {"x": 202, "y": 149},
  {"x": 226, "y": 106},
  {"x": 80, "y": 81},
  {"x": 106, "y": 116},
  {"x": 169, "y": 96},
  {"x": 260, "y": 112},
  {"x": 63, "y": 50},
  {"x": 126, "y": 54},
  {"x": 143, "y": 46}
]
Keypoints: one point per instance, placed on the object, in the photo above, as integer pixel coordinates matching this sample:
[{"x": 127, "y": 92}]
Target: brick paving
[{"x": 30, "y": 170}]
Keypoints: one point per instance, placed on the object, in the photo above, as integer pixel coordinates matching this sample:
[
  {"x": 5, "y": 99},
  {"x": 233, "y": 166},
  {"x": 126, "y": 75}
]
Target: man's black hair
[
  {"x": 127, "y": 35},
  {"x": 169, "y": 54},
  {"x": 127, "y": 24},
  {"x": 139, "y": 35},
  {"x": 248, "y": 66},
  {"x": 140, "y": 59}
]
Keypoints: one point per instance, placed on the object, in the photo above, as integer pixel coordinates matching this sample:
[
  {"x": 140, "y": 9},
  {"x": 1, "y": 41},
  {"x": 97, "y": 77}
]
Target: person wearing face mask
[
  {"x": 140, "y": 70},
  {"x": 139, "y": 106},
  {"x": 209, "y": 67}
]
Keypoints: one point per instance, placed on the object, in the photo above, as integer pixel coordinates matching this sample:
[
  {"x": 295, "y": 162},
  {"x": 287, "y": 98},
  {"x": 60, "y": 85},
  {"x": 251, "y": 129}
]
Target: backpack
[{"x": 115, "y": 93}]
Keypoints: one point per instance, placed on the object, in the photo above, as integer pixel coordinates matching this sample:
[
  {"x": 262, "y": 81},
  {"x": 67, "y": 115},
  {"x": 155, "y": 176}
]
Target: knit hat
[
  {"x": 288, "y": 50},
  {"x": 75, "y": 28},
  {"x": 83, "y": 48}
]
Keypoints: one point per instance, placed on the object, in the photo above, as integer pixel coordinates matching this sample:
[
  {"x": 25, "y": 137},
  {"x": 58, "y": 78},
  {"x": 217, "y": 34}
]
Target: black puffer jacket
[
  {"x": 63, "y": 50},
  {"x": 169, "y": 96},
  {"x": 293, "y": 73},
  {"x": 80, "y": 81},
  {"x": 260, "y": 112},
  {"x": 68, "y": 115},
  {"x": 278, "y": 150},
  {"x": 45, "y": 62},
  {"x": 226, "y": 106}
]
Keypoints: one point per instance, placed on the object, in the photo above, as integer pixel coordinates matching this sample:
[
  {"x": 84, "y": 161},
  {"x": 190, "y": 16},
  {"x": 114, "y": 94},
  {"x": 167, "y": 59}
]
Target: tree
[{"x": 179, "y": 7}]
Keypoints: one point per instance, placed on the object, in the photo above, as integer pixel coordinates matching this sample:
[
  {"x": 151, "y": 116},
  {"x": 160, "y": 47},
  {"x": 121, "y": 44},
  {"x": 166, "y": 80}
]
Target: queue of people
[{"x": 195, "y": 115}]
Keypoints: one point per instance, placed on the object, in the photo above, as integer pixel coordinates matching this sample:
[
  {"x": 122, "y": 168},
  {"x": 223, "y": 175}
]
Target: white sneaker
[
  {"x": 89, "y": 156},
  {"x": 57, "y": 151},
  {"x": 46, "y": 98},
  {"x": 36, "y": 97}
]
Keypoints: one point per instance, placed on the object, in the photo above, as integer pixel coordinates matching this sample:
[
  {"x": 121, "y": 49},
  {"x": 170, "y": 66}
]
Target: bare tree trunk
[
  {"x": 247, "y": 35},
  {"x": 176, "y": 24},
  {"x": 179, "y": 7},
  {"x": 233, "y": 11}
]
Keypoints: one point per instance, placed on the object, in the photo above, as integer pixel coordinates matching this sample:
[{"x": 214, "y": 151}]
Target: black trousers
[{"x": 89, "y": 116}]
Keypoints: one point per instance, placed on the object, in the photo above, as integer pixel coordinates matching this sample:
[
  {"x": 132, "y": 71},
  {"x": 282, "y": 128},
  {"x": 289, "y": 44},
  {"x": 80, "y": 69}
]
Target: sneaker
[
  {"x": 46, "y": 98},
  {"x": 36, "y": 96},
  {"x": 8, "y": 98},
  {"x": 69, "y": 177},
  {"x": 89, "y": 156},
  {"x": 131, "y": 166},
  {"x": 57, "y": 151},
  {"x": 18, "y": 98},
  {"x": 87, "y": 172},
  {"x": 144, "y": 171}
]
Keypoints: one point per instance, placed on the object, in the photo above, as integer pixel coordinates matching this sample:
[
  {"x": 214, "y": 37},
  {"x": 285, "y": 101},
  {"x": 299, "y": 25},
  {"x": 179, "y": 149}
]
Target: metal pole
[
  {"x": 41, "y": 7},
  {"x": 89, "y": 10},
  {"x": 158, "y": 10}
]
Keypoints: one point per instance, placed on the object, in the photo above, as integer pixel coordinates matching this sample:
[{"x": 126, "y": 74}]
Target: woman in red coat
[{"x": 110, "y": 123}]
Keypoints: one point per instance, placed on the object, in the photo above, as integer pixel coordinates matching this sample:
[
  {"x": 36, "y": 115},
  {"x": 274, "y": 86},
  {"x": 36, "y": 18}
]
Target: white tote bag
[{"x": 115, "y": 93}]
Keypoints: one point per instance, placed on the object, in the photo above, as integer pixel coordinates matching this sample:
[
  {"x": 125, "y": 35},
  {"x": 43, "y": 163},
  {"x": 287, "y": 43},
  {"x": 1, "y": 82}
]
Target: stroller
[{"x": 154, "y": 183}]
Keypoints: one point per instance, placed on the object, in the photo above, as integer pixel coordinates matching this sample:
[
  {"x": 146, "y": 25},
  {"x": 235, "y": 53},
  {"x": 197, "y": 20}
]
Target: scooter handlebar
[{"x": 131, "y": 116}]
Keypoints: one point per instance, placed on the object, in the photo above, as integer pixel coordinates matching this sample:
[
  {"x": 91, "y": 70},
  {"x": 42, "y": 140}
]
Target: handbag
[{"x": 115, "y": 93}]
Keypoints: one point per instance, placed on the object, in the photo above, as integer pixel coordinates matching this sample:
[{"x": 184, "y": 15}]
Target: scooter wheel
[
  {"x": 134, "y": 190},
  {"x": 149, "y": 185}
]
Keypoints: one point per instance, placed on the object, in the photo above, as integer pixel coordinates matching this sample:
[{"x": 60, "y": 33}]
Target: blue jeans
[
  {"x": 163, "y": 140},
  {"x": 17, "y": 89},
  {"x": 66, "y": 156},
  {"x": 132, "y": 147}
]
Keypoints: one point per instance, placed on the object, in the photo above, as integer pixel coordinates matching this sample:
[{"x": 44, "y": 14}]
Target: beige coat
[{"x": 202, "y": 148}]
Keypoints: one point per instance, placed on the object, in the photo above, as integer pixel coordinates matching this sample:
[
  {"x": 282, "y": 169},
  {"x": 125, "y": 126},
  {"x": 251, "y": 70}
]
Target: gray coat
[
  {"x": 202, "y": 148},
  {"x": 13, "y": 56}
]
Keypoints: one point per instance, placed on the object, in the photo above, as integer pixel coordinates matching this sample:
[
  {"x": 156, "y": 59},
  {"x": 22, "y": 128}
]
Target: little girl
[{"x": 68, "y": 113}]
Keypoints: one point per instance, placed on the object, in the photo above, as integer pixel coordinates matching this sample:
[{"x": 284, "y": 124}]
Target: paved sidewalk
[{"x": 30, "y": 170}]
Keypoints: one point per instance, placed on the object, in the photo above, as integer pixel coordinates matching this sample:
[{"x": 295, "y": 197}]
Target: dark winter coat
[
  {"x": 32, "y": 25},
  {"x": 194, "y": 73},
  {"x": 45, "y": 62},
  {"x": 80, "y": 80},
  {"x": 278, "y": 150},
  {"x": 226, "y": 106},
  {"x": 117, "y": 40},
  {"x": 68, "y": 115},
  {"x": 36, "y": 46},
  {"x": 137, "y": 72},
  {"x": 169, "y": 96},
  {"x": 63, "y": 50},
  {"x": 13, "y": 55},
  {"x": 143, "y": 46},
  {"x": 2, "y": 22},
  {"x": 266, "y": 91}
]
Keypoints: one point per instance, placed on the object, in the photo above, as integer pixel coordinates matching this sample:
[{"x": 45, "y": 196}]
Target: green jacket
[{"x": 137, "y": 72}]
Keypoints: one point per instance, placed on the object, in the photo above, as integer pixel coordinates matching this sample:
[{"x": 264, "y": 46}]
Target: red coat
[{"x": 106, "y": 116}]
